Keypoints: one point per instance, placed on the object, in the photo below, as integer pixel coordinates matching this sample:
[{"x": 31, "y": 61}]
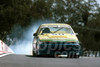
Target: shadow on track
[
  {"x": 49, "y": 57},
  {"x": 40, "y": 56}
]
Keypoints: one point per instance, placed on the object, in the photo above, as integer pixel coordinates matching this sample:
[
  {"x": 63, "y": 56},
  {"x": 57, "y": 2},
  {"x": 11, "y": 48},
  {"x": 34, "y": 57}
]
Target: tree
[
  {"x": 13, "y": 12},
  {"x": 40, "y": 10},
  {"x": 74, "y": 11}
]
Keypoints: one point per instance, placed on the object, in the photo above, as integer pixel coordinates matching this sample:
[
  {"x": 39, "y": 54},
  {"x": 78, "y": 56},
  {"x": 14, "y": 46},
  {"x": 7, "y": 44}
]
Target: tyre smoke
[{"x": 22, "y": 41}]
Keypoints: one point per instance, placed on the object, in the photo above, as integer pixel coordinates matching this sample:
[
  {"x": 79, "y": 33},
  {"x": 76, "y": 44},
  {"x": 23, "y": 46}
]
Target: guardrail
[{"x": 4, "y": 48}]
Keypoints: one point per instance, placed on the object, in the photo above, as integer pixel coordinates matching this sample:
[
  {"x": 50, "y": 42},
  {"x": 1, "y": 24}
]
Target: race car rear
[{"x": 56, "y": 40}]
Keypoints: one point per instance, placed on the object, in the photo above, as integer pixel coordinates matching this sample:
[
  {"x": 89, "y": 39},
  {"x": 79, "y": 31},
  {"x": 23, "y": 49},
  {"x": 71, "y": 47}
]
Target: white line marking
[{"x": 4, "y": 55}]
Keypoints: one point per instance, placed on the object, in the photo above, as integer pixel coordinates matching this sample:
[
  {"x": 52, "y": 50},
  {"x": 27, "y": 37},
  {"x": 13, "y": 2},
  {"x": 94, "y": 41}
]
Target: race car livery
[{"x": 56, "y": 40}]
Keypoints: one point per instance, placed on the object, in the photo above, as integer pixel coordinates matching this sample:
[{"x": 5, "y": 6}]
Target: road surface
[{"x": 29, "y": 61}]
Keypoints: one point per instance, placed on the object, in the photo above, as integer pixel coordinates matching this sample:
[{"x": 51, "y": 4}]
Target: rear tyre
[
  {"x": 34, "y": 54},
  {"x": 76, "y": 56},
  {"x": 73, "y": 56}
]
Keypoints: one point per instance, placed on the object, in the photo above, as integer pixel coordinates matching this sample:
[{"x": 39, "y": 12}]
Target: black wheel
[
  {"x": 73, "y": 56},
  {"x": 76, "y": 56},
  {"x": 34, "y": 54}
]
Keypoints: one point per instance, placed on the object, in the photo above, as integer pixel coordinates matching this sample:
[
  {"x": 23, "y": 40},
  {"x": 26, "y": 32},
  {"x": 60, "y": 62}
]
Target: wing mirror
[
  {"x": 76, "y": 34},
  {"x": 35, "y": 34}
]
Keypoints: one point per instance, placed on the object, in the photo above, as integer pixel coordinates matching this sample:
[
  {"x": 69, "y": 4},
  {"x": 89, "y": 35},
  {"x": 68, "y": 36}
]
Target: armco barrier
[{"x": 4, "y": 48}]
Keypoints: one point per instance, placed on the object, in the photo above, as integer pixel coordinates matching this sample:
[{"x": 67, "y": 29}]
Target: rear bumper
[
  {"x": 59, "y": 50},
  {"x": 53, "y": 53}
]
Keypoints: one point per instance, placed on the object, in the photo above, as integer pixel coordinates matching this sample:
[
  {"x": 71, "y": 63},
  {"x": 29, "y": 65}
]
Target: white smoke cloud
[{"x": 24, "y": 45}]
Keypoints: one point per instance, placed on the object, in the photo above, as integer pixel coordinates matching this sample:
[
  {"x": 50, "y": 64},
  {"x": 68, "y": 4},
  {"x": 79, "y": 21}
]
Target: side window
[{"x": 38, "y": 31}]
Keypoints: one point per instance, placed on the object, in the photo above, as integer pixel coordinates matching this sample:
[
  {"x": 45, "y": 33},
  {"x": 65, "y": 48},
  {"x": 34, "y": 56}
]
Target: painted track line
[{"x": 4, "y": 55}]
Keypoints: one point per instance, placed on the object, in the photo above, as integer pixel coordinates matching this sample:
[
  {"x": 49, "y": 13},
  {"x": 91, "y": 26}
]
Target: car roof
[{"x": 55, "y": 24}]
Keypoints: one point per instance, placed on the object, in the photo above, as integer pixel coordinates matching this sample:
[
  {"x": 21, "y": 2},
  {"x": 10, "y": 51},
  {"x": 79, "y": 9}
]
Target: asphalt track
[{"x": 29, "y": 61}]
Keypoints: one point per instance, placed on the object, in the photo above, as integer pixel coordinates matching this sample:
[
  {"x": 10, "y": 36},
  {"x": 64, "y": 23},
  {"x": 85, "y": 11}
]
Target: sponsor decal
[{"x": 60, "y": 40}]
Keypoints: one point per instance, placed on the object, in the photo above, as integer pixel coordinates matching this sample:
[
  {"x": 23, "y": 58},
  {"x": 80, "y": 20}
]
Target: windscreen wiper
[{"x": 58, "y": 30}]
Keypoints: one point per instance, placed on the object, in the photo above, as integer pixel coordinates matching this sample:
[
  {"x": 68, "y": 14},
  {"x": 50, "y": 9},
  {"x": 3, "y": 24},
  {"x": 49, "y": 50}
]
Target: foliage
[
  {"x": 13, "y": 12},
  {"x": 40, "y": 10}
]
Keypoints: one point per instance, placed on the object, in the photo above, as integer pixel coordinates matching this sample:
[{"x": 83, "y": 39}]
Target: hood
[{"x": 58, "y": 37}]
